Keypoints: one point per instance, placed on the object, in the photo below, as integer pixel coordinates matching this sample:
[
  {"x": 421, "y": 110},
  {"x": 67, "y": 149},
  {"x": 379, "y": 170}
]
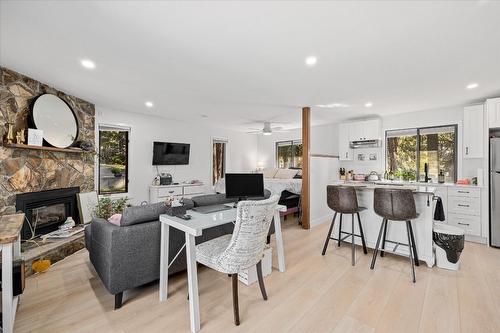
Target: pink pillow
[{"x": 115, "y": 219}]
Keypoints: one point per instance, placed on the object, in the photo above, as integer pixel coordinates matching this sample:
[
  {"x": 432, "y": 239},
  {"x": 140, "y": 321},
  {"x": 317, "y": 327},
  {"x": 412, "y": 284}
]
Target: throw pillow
[
  {"x": 285, "y": 173},
  {"x": 115, "y": 219},
  {"x": 269, "y": 173}
]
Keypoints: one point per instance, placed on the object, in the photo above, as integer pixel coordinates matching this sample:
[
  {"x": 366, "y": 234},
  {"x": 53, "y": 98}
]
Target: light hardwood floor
[{"x": 316, "y": 294}]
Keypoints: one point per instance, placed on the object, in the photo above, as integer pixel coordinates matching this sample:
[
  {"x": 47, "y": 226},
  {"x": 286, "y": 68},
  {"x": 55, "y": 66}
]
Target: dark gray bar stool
[
  {"x": 343, "y": 200},
  {"x": 395, "y": 205}
]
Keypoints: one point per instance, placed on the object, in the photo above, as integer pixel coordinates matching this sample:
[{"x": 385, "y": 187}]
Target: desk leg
[
  {"x": 279, "y": 241},
  {"x": 164, "y": 262},
  {"x": 194, "y": 303},
  {"x": 7, "y": 298}
]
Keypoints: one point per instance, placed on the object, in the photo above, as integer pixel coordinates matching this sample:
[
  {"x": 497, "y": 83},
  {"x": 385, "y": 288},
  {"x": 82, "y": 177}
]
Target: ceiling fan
[{"x": 268, "y": 130}]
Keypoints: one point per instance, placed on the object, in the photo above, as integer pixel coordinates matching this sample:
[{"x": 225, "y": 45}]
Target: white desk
[{"x": 192, "y": 228}]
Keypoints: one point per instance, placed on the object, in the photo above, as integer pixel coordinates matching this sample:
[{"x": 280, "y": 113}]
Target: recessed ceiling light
[
  {"x": 149, "y": 104},
  {"x": 87, "y": 63},
  {"x": 332, "y": 105},
  {"x": 311, "y": 61},
  {"x": 368, "y": 104},
  {"x": 472, "y": 85}
]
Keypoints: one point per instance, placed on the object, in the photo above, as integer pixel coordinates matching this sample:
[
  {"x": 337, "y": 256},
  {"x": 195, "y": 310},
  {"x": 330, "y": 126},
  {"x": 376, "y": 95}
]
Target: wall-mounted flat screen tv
[{"x": 170, "y": 153}]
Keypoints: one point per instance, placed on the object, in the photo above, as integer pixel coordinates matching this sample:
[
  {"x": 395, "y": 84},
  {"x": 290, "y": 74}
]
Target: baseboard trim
[{"x": 321, "y": 220}]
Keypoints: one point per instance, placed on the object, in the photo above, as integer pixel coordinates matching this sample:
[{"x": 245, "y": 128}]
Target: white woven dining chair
[{"x": 231, "y": 254}]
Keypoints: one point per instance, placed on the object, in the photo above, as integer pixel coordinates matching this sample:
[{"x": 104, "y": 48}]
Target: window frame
[
  {"x": 292, "y": 142},
  {"x": 106, "y": 127},
  {"x": 417, "y": 156}
]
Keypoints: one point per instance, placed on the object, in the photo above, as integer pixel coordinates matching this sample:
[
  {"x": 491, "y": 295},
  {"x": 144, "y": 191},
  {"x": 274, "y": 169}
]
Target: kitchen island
[{"x": 396, "y": 231}]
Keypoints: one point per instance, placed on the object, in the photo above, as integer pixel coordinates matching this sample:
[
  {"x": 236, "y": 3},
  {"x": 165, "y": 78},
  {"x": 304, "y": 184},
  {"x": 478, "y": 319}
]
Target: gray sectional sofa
[{"x": 128, "y": 256}]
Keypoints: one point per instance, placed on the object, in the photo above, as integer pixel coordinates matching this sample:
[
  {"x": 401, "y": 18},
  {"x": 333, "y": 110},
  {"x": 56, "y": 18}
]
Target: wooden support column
[{"x": 306, "y": 147}]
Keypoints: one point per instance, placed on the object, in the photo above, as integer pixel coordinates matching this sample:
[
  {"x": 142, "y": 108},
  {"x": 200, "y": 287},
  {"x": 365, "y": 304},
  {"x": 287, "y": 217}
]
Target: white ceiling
[{"x": 241, "y": 62}]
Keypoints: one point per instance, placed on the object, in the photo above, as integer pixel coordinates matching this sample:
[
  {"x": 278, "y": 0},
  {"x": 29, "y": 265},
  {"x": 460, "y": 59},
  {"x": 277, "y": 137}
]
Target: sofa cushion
[
  {"x": 211, "y": 199},
  {"x": 140, "y": 214}
]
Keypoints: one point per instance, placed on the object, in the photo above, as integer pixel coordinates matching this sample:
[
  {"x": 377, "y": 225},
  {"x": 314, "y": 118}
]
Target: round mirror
[{"x": 56, "y": 119}]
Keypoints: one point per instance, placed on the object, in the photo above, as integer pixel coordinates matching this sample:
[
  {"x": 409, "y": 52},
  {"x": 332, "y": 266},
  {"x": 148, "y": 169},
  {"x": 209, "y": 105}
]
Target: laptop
[{"x": 211, "y": 209}]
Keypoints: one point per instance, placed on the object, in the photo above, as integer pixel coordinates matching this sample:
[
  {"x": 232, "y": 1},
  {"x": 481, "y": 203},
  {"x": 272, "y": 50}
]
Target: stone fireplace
[
  {"x": 46, "y": 210},
  {"x": 29, "y": 177},
  {"x": 28, "y": 170}
]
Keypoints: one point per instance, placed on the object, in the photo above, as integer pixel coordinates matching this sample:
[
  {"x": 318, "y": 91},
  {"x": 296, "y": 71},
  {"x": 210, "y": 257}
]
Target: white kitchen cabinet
[
  {"x": 345, "y": 151},
  {"x": 365, "y": 130},
  {"x": 372, "y": 130},
  {"x": 473, "y": 131},
  {"x": 493, "y": 107},
  {"x": 464, "y": 209}
]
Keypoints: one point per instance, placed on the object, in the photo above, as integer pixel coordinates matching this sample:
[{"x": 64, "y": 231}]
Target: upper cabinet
[
  {"x": 365, "y": 130},
  {"x": 345, "y": 151},
  {"x": 493, "y": 107},
  {"x": 473, "y": 131}
]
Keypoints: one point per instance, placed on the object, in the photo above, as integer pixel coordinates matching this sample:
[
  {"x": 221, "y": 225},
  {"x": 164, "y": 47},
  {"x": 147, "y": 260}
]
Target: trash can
[{"x": 448, "y": 245}]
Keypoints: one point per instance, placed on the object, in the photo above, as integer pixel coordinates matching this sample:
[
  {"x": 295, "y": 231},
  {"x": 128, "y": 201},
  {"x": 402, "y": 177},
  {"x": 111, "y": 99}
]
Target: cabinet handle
[
  {"x": 459, "y": 205},
  {"x": 346, "y": 154},
  {"x": 463, "y": 223},
  {"x": 466, "y": 150},
  {"x": 463, "y": 191}
]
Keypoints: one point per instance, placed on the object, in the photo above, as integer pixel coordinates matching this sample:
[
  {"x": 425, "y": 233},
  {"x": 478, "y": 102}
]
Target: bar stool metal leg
[
  {"x": 362, "y": 235},
  {"x": 410, "y": 249},
  {"x": 329, "y": 236},
  {"x": 353, "y": 247},
  {"x": 383, "y": 240},
  {"x": 384, "y": 221},
  {"x": 414, "y": 246},
  {"x": 340, "y": 231}
]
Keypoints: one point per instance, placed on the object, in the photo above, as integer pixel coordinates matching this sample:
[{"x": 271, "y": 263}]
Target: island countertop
[{"x": 366, "y": 185}]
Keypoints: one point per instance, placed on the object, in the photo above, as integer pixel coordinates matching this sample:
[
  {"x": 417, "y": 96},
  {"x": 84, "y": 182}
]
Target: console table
[
  {"x": 159, "y": 193},
  {"x": 192, "y": 228},
  {"x": 10, "y": 245}
]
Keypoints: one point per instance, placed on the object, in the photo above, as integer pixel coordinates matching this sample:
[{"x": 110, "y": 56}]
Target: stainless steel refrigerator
[{"x": 495, "y": 192}]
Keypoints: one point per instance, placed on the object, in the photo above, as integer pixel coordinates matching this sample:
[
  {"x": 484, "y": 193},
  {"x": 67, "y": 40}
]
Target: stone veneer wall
[{"x": 24, "y": 170}]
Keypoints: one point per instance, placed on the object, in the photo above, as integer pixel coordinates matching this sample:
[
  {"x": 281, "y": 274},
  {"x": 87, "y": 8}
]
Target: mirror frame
[{"x": 31, "y": 120}]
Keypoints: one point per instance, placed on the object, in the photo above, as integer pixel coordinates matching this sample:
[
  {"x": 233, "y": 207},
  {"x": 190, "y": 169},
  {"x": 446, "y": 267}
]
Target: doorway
[{"x": 219, "y": 148}]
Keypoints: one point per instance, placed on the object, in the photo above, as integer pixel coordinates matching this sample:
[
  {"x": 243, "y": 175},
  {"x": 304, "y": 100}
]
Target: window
[
  {"x": 409, "y": 150},
  {"x": 113, "y": 159},
  {"x": 289, "y": 154}
]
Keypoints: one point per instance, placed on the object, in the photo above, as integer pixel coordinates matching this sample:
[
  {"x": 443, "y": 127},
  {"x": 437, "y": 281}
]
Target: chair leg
[
  {"x": 362, "y": 235},
  {"x": 236, "y": 310},
  {"x": 414, "y": 246},
  {"x": 383, "y": 241},
  {"x": 340, "y": 230},
  {"x": 118, "y": 300},
  {"x": 353, "y": 247},
  {"x": 261, "y": 280},
  {"x": 329, "y": 234},
  {"x": 384, "y": 221},
  {"x": 410, "y": 247}
]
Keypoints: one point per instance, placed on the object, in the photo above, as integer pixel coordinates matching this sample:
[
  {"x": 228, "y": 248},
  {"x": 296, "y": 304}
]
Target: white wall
[
  {"x": 241, "y": 155},
  {"x": 324, "y": 140}
]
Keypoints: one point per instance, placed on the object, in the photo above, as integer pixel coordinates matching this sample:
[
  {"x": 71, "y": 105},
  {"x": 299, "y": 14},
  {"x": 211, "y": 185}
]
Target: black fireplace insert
[{"x": 47, "y": 210}]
